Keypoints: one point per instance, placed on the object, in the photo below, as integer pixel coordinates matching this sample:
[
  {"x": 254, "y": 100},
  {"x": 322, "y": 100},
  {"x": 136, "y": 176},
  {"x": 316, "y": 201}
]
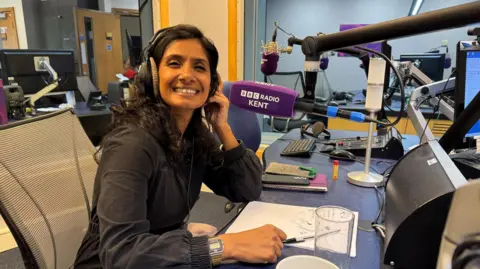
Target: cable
[
  {"x": 381, "y": 207},
  {"x": 423, "y": 101},
  {"x": 402, "y": 87},
  {"x": 380, "y": 230},
  {"x": 189, "y": 180},
  {"x": 287, "y": 33},
  {"x": 345, "y": 159},
  {"x": 437, "y": 105}
]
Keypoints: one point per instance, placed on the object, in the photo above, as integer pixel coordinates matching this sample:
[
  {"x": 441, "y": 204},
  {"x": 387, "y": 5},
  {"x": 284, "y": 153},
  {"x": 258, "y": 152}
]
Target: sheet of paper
[
  {"x": 83, "y": 52},
  {"x": 293, "y": 220}
]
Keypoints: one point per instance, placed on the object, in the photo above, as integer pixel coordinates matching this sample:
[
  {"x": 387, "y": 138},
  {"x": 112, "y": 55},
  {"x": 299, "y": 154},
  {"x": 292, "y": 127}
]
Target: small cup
[
  {"x": 305, "y": 262},
  {"x": 333, "y": 234}
]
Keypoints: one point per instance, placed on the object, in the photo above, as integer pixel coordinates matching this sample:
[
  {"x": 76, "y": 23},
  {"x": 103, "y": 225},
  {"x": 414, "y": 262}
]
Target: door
[
  {"x": 99, "y": 46},
  {"x": 8, "y": 28}
]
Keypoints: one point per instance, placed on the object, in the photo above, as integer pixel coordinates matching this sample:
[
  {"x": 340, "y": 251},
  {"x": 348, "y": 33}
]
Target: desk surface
[
  {"x": 340, "y": 192},
  {"x": 81, "y": 110}
]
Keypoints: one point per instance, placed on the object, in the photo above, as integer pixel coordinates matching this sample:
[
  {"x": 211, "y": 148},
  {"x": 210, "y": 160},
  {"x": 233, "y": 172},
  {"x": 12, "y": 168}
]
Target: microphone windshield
[
  {"x": 264, "y": 98},
  {"x": 269, "y": 63}
]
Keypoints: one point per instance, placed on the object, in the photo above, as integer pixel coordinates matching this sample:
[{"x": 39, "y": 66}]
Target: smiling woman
[{"x": 157, "y": 156}]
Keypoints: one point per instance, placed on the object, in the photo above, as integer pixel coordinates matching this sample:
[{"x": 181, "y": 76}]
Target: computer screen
[
  {"x": 19, "y": 66},
  {"x": 431, "y": 64},
  {"x": 472, "y": 85}
]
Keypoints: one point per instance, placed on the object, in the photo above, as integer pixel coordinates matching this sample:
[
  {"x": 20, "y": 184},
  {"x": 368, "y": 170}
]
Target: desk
[
  {"x": 94, "y": 122},
  {"x": 340, "y": 192}
]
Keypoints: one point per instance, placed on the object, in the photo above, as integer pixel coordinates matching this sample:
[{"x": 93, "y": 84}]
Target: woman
[{"x": 157, "y": 156}]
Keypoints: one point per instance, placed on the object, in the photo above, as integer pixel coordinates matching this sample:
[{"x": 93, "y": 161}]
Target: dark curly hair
[{"x": 149, "y": 112}]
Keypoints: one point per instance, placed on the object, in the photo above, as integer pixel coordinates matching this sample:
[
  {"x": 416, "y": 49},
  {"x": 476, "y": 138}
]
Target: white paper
[
  {"x": 83, "y": 51},
  {"x": 3, "y": 30},
  {"x": 295, "y": 221}
]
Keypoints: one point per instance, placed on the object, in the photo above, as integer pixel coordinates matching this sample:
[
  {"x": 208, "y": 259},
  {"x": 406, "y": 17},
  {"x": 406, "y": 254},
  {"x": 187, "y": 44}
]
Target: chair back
[
  {"x": 47, "y": 173},
  {"x": 244, "y": 123}
]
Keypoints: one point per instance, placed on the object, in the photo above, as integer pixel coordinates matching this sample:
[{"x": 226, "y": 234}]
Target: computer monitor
[
  {"x": 431, "y": 64},
  {"x": 19, "y": 65},
  {"x": 467, "y": 82}
]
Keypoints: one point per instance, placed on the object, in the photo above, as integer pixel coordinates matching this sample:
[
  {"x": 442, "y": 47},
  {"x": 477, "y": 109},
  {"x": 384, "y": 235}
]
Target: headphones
[
  {"x": 465, "y": 254},
  {"x": 317, "y": 129},
  {"x": 337, "y": 96},
  {"x": 150, "y": 70}
]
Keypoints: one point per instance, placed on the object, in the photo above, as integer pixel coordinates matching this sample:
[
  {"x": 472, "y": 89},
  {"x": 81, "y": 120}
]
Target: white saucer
[{"x": 305, "y": 262}]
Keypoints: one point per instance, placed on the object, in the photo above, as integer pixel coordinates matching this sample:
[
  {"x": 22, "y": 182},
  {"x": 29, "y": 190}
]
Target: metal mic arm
[
  {"x": 419, "y": 95},
  {"x": 48, "y": 88},
  {"x": 442, "y": 19},
  {"x": 408, "y": 69}
]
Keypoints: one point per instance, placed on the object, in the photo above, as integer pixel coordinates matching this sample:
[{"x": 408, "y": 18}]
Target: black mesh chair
[
  {"x": 292, "y": 80},
  {"x": 47, "y": 173}
]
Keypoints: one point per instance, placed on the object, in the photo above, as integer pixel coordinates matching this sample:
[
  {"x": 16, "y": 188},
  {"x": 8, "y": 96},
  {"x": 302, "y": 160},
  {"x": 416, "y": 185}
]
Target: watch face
[{"x": 215, "y": 245}]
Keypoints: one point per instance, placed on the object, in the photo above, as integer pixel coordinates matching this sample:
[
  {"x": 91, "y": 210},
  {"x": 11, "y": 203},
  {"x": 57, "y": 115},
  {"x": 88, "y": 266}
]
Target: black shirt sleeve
[
  {"x": 126, "y": 166},
  {"x": 235, "y": 174}
]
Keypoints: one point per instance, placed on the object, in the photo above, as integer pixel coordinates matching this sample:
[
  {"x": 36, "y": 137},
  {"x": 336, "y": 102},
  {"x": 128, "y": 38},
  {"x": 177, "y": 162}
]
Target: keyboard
[{"x": 299, "y": 148}]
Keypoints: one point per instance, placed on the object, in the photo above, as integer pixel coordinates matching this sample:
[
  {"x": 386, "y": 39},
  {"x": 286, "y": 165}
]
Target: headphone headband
[{"x": 153, "y": 43}]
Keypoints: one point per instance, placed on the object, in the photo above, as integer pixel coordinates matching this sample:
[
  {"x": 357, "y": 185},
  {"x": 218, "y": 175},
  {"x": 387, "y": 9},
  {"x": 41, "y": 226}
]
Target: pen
[{"x": 302, "y": 238}]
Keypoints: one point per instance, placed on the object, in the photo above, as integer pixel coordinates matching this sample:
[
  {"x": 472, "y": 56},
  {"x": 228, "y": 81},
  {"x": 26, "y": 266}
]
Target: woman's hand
[
  {"x": 260, "y": 245},
  {"x": 220, "y": 118}
]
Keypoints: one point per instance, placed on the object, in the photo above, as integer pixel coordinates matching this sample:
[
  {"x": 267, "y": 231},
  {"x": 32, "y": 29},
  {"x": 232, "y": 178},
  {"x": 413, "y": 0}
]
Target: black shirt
[{"x": 139, "y": 202}]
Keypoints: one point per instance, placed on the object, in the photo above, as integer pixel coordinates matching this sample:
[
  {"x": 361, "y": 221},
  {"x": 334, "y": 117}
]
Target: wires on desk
[
  {"x": 380, "y": 228},
  {"x": 382, "y": 205}
]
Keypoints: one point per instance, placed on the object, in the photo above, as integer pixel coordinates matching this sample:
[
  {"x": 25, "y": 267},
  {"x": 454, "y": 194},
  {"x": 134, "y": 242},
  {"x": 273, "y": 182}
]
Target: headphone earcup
[{"x": 154, "y": 75}]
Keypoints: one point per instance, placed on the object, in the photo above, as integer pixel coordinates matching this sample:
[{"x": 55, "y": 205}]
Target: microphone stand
[{"x": 366, "y": 178}]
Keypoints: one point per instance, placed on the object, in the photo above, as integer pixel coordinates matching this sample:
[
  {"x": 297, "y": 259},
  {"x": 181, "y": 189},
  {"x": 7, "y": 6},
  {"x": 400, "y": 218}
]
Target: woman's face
[{"x": 184, "y": 75}]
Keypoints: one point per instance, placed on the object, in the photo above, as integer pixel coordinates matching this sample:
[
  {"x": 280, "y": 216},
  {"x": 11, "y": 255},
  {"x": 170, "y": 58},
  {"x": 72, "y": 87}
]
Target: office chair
[
  {"x": 244, "y": 123},
  {"x": 292, "y": 80},
  {"x": 47, "y": 175}
]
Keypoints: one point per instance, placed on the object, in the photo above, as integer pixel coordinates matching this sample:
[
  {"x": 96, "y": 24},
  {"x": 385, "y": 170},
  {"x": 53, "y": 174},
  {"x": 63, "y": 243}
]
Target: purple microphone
[
  {"x": 278, "y": 101},
  {"x": 324, "y": 63},
  {"x": 269, "y": 63},
  {"x": 264, "y": 98}
]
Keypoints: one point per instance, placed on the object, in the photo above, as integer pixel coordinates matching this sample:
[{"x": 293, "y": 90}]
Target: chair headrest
[{"x": 227, "y": 85}]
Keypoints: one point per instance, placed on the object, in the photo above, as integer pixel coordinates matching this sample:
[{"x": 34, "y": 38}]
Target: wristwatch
[{"x": 216, "y": 250}]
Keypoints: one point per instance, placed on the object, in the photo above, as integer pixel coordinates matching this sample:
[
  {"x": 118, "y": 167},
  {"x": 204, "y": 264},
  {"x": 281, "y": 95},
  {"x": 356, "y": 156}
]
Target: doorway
[
  {"x": 99, "y": 45},
  {"x": 8, "y": 29}
]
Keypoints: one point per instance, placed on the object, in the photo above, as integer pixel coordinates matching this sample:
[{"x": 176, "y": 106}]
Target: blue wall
[
  {"x": 307, "y": 17},
  {"x": 254, "y": 32}
]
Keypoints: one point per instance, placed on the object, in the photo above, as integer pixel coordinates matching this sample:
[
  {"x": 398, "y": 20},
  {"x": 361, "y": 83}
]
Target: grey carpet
[{"x": 11, "y": 259}]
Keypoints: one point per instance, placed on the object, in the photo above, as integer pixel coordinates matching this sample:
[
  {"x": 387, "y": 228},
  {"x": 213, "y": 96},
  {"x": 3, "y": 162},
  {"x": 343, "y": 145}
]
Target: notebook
[
  {"x": 318, "y": 184},
  {"x": 287, "y": 169}
]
